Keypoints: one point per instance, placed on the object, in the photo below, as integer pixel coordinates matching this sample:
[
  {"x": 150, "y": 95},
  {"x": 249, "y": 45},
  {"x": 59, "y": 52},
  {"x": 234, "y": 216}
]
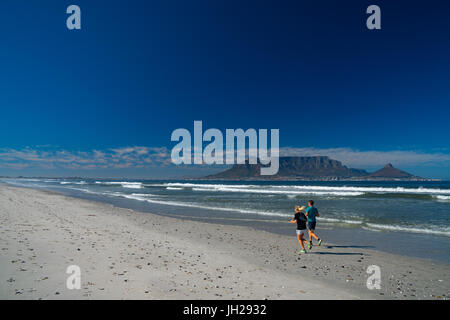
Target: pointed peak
[{"x": 388, "y": 171}]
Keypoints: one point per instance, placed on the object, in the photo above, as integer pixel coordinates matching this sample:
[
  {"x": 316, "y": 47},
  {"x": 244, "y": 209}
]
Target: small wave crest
[
  {"x": 341, "y": 191},
  {"x": 271, "y": 191},
  {"x": 384, "y": 227},
  {"x": 442, "y": 198},
  {"x": 72, "y": 182},
  {"x": 124, "y": 184}
]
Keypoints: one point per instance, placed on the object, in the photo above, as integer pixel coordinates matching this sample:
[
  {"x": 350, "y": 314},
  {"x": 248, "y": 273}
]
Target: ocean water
[{"x": 386, "y": 208}]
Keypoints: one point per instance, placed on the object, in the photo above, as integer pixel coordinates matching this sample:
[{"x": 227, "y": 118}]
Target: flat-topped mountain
[
  {"x": 311, "y": 168},
  {"x": 319, "y": 167}
]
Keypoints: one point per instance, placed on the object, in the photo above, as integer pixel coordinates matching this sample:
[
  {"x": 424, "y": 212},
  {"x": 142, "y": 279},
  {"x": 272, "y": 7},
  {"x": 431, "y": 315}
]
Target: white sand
[{"x": 130, "y": 255}]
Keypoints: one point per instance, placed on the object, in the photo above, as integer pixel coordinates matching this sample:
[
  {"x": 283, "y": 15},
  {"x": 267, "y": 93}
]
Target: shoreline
[
  {"x": 398, "y": 243},
  {"x": 168, "y": 258}
]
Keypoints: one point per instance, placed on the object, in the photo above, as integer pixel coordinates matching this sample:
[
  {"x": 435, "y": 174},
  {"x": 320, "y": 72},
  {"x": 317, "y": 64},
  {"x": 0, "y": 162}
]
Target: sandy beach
[{"x": 124, "y": 254}]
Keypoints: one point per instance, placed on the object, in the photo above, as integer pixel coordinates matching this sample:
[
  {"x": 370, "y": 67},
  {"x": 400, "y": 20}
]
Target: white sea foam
[
  {"x": 207, "y": 185},
  {"x": 85, "y": 190},
  {"x": 271, "y": 191},
  {"x": 72, "y": 182},
  {"x": 307, "y": 189},
  {"x": 373, "y": 189},
  {"x": 340, "y": 221},
  {"x": 292, "y": 189},
  {"x": 204, "y": 189},
  {"x": 288, "y": 190},
  {"x": 143, "y": 197},
  {"x": 134, "y": 196},
  {"x": 442, "y": 198},
  {"x": 132, "y": 185},
  {"x": 442, "y": 232},
  {"x": 124, "y": 184}
]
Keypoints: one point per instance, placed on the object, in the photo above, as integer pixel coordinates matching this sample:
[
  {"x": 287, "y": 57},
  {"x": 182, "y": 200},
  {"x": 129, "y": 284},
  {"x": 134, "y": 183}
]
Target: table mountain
[{"x": 319, "y": 167}]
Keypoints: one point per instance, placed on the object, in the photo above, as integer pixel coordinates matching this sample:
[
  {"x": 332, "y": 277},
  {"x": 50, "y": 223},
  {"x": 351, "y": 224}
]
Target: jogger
[
  {"x": 300, "y": 219},
  {"x": 311, "y": 214}
]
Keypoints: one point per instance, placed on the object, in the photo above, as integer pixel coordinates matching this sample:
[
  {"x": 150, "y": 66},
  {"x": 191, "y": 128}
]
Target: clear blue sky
[{"x": 140, "y": 69}]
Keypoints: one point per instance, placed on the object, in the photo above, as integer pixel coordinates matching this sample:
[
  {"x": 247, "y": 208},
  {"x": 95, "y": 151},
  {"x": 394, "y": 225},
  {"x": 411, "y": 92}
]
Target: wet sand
[{"x": 125, "y": 254}]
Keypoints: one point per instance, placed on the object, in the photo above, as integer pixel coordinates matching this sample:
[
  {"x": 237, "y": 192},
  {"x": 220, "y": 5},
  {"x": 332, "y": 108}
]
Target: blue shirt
[{"x": 312, "y": 212}]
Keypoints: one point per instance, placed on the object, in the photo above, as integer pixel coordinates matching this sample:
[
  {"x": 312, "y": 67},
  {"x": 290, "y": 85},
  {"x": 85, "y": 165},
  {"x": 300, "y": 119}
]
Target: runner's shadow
[
  {"x": 331, "y": 247},
  {"x": 339, "y": 253}
]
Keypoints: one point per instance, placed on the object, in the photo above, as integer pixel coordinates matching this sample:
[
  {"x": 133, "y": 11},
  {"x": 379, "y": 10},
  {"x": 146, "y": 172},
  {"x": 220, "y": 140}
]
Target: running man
[
  {"x": 311, "y": 214},
  {"x": 300, "y": 219}
]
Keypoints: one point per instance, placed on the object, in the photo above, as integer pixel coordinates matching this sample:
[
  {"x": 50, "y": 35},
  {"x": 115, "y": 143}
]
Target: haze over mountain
[{"x": 311, "y": 168}]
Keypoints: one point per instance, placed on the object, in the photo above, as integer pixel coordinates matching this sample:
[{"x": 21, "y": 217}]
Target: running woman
[
  {"x": 311, "y": 214},
  {"x": 300, "y": 219}
]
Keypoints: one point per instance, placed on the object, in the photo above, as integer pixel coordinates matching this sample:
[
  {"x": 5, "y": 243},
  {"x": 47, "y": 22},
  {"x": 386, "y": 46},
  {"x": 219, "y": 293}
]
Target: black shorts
[{"x": 312, "y": 225}]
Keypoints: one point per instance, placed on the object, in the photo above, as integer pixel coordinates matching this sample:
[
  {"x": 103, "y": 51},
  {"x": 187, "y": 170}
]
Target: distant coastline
[
  {"x": 313, "y": 179},
  {"x": 317, "y": 168}
]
